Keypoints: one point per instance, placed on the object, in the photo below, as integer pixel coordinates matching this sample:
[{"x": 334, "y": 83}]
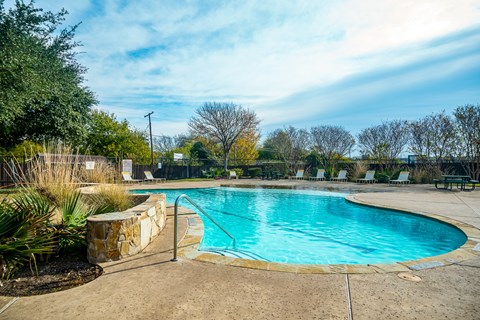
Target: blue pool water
[{"x": 314, "y": 227}]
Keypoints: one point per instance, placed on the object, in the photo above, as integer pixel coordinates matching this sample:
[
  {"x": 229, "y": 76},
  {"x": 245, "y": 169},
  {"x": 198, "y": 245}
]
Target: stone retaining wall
[{"x": 116, "y": 235}]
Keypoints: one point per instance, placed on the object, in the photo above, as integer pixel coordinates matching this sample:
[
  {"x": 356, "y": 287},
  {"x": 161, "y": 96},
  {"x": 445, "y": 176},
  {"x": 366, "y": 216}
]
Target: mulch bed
[{"x": 57, "y": 274}]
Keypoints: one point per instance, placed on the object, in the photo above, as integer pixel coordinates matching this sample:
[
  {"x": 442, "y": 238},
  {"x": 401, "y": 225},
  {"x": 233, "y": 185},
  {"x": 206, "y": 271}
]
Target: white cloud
[{"x": 143, "y": 54}]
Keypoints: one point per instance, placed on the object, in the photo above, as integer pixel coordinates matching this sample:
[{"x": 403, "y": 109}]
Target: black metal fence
[{"x": 10, "y": 167}]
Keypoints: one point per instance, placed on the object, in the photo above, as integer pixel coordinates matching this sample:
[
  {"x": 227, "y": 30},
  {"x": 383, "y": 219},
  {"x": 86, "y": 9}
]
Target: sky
[{"x": 353, "y": 63}]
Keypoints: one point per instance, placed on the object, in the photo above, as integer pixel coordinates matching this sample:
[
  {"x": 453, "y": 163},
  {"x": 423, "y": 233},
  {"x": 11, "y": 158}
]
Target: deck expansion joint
[{"x": 9, "y": 304}]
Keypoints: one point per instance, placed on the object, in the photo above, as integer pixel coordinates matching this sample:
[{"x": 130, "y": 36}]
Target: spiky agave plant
[{"x": 24, "y": 231}]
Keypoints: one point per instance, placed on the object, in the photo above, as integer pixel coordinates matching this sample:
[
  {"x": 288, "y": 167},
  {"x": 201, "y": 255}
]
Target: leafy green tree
[
  {"x": 111, "y": 138},
  {"x": 42, "y": 95},
  {"x": 313, "y": 161},
  {"x": 26, "y": 149},
  {"x": 245, "y": 149},
  {"x": 200, "y": 153}
]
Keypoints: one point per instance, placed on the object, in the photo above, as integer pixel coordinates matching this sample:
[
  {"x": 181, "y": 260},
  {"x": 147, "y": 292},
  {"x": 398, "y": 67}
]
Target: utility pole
[{"x": 151, "y": 141}]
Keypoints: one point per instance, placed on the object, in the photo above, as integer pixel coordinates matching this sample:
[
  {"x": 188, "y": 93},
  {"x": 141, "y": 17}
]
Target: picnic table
[
  {"x": 458, "y": 180},
  {"x": 271, "y": 175}
]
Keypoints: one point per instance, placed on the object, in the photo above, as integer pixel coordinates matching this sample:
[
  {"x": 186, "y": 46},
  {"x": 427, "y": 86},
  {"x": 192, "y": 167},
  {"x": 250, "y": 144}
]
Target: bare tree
[
  {"x": 165, "y": 144},
  {"x": 289, "y": 144},
  {"x": 433, "y": 137},
  {"x": 468, "y": 133},
  {"x": 384, "y": 142},
  {"x": 223, "y": 123},
  {"x": 332, "y": 143}
]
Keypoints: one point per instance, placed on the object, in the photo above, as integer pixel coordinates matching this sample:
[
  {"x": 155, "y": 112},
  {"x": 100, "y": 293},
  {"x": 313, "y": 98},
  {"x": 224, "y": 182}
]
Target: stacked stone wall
[{"x": 116, "y": 235}]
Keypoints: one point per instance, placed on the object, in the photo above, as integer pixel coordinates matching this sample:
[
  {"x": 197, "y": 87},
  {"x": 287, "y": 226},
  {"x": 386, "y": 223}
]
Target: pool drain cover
[{"x": 409, "y": 277}]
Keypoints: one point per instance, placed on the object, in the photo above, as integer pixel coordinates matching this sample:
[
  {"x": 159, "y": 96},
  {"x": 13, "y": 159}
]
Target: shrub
[
  {"x": 238, "y": 171},
  {"x": 425, "y": 174},
  {"x": 56, "y": 176},
  {"x": 24, "y": 230},
  {"x": 58, "y": 173},
  {"x": 254, "y": 172},
  {"x": 103, "y": 172},
  {"x": 420, "y": 175},
  {"x": 217, "y": 172},
  {"x": 71, "y": 231},
  {"x": 111, "y": 197},
  {"x": 359, "y": 171},
  {"x": 382, "y": 177}
]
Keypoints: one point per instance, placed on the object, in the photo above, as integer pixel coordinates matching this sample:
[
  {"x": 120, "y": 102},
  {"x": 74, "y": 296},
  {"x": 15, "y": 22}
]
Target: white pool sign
[
  {"x": 177, "y": 156},
  {"x": 127, "y": 165},
  {"x": 89, "y": 165}
]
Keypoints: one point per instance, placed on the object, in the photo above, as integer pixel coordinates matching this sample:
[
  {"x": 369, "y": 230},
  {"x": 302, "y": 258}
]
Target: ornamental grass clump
[
  {"x": 425, "y": 174},
  {"x": 54, "y": 173},
  {"x": 49, "y": 214},
  {"x": 102, "y": 172},
  {"x": 112, "y": 196},
  {"x": 359, "y": 170},
  {"x": 58, "y": 172}
]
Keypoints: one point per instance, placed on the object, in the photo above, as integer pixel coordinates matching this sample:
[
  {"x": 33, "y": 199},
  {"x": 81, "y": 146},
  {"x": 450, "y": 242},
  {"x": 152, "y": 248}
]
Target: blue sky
[{"x": 302, "y": 63}]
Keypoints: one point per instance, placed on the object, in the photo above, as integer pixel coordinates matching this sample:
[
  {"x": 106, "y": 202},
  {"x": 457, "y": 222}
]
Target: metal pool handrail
[{"x": 175, "y": 222}]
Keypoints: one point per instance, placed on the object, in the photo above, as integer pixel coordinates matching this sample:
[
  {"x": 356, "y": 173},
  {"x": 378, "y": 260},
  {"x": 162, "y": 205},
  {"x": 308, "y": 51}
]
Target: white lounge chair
[
  {"x": 128, "y": 178},
  {"x": 233, "y": 175},
  {"x": 342, "y": 176},
  {"x": 369, "y": 177},
  {"x": 299, "y": 175},
  {"x": 402, "y": 178},
  {"x": 320, "y": 175},
  {"x": 149, "y": 177}
]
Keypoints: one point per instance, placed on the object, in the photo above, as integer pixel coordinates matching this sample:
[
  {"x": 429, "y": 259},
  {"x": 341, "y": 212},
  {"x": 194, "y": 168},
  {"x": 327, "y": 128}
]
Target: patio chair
[
  {"x": 320, "y": 175},
  {"x": 299, "y": 175},
  {"x": 369, "y": 177},
  {"x": 233, "y": 175},
  {"x": 342, "y": 176},
  {"x": 149, "y": 177},
  {"x": 128, "y": 178},
  {"x": 402, "y": 178}
]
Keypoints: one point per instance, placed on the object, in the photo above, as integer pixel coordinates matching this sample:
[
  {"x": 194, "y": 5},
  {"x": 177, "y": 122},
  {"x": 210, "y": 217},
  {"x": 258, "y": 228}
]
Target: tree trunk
[{"x": 225, "y": 160}]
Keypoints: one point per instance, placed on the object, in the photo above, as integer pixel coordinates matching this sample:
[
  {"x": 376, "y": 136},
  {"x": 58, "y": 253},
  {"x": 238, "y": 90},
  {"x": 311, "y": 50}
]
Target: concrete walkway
[{"x": 149, "y": 286}]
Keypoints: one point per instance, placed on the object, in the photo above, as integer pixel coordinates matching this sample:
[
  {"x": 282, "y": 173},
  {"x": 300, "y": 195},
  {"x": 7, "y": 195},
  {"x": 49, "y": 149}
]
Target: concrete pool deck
[{"x": 148, "y": 285}]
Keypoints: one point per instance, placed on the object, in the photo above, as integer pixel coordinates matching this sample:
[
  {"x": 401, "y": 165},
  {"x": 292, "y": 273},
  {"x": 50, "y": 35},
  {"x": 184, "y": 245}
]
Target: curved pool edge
[{"x": 188, "y": 248}]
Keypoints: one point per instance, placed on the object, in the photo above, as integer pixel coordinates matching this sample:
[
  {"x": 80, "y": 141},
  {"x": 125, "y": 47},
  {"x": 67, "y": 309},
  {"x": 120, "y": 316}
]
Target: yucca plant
[
  {"x": 71, "y": 231},
  {"x": 24, "y": 230}
]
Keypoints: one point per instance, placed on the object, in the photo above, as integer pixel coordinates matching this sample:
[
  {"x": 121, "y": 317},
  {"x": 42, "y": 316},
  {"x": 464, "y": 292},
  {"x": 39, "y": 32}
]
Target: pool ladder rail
[
  {"x": 236, "y": 253},
  {"x": 175, "y": 222}
]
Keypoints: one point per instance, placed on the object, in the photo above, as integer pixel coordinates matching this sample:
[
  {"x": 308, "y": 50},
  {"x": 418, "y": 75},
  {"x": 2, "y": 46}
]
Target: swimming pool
[{"x": 313, "y": 227}]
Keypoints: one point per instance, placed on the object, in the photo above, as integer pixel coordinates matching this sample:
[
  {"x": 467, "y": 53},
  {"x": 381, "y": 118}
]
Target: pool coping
[{"x": 188, "y": 248}]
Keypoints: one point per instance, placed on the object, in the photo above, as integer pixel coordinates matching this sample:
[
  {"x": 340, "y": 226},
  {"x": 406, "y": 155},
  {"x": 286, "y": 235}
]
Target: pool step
[{"x": 236, "y": 253}]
